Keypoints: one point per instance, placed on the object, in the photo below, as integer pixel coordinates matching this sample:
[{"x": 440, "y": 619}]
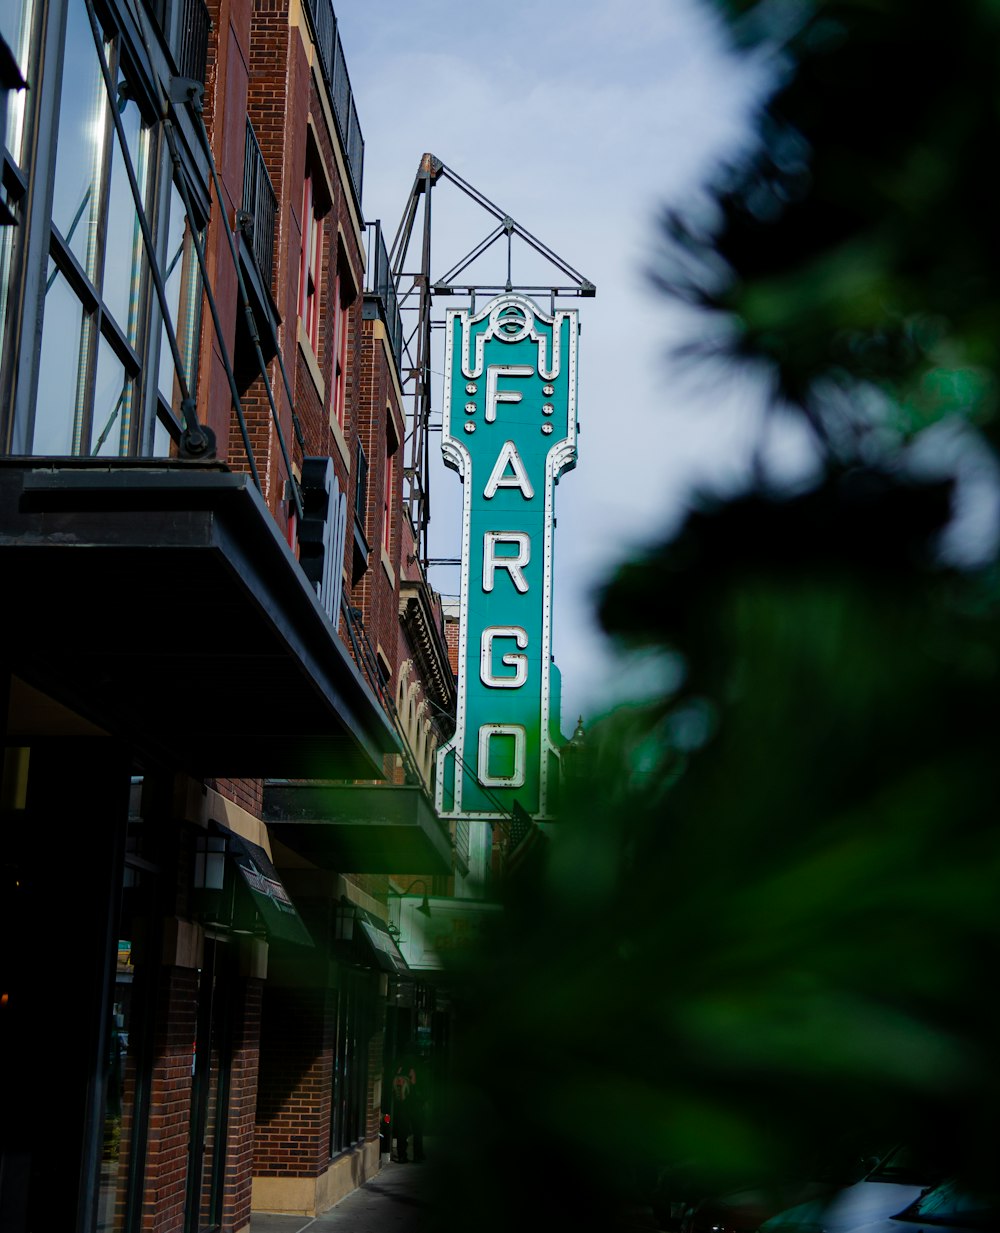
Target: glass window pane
[
  {"x": 15, "y": 26},
  {"x": 59, "y": 407},
  {"x": 162, "y": 440},
  {"x": 182, "y": 279},
  {"x": 80, "y": 149},
  {"x": 6, "y": 256},
  {"x": 124, "y": 259},
  {"x": 113, "y": 392},
  {"x": 132, "y": 1023}
]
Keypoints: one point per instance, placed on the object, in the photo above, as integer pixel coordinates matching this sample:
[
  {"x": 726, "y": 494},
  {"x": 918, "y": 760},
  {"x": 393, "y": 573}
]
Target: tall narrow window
[
  {"x": 182, "y": 282},
  {"x": 361, "y": 488},
  {"x": 15, "y": 28},
  {"x": 388, "y": 493},
  {"x": 97, "y": 279},
  {"x": 342, "y": 296},
  {"x": 311, "y": 262},
  {"x": 78, "y": 293}
]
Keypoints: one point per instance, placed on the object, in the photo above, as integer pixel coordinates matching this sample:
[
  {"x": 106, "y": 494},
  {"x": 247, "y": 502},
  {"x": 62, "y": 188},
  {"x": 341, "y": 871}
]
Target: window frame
[
  {"x": 135, "y": 342},
  {"x": 389, "y": 482},
  {"x": 341, "y": 330},
  {"x": 310, "y": 260}
]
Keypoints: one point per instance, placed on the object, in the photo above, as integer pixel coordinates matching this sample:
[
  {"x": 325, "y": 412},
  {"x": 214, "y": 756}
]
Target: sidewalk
[{"x": 395, "y": 1201}]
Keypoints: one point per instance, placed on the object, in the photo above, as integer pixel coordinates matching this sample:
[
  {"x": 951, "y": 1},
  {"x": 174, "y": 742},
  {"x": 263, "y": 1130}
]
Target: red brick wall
[
  {"x": 247, "y": 793},
  {"x": 295, "y": 1084},
  {"x": 283, "y": 97},
  {"x": 170, "y": 1103},
  {"x": 451, "y": 632},
  {"x": 242, "y": 1107},
  {"x": 225, "y": 119},
  {"x": 376, "y": 593}
]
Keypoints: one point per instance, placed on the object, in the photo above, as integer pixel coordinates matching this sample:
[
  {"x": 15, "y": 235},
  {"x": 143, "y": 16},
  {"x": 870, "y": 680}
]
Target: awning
[
  {"x": 360, "y": 828},
  {"x": 379, "y": 943},
  {"x": 280, "y": 916},
  {"x": 159, "y": 601}
]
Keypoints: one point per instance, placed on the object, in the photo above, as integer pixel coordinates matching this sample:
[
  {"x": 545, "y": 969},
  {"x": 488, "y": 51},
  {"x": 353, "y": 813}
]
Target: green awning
[
  {"x": 383, "y": 952},
  {"x": 270, "y": 899}
]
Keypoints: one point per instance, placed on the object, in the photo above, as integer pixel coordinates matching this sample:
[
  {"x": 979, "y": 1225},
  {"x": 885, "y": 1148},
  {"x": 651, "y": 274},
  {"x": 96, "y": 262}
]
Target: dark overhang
[
  {"x": 160, "y": 601},
  {"x": 359, "y": 828}
]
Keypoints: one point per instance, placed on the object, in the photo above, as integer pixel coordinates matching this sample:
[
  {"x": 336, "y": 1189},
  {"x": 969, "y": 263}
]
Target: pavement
[{"x": 396, "y": 1200}]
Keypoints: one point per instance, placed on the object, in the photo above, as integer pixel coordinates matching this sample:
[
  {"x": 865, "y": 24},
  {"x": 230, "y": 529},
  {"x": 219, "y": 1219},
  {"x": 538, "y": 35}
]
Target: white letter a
[{"x": 508, "y": 457}]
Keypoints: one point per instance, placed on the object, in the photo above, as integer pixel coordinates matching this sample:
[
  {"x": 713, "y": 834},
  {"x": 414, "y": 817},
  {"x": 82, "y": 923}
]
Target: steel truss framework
[{"x": 416, "y": 291}]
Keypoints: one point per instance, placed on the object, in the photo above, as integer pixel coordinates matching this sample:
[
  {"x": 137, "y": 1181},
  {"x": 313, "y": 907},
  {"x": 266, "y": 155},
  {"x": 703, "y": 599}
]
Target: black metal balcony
[
  {"x": 185, "y": 25},
  {"x": 338, "y": 83},
  {"x": 260, "y": 207},
  {"x": 379, "y": 284},
  {"x": 193, "y": 28}
]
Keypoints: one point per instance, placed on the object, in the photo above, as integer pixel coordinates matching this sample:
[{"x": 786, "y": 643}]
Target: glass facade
[
  {"x": 77, "y": 385},
  {"x": 355, "y": 1020},
  {"x": 126, "y": 1096}
]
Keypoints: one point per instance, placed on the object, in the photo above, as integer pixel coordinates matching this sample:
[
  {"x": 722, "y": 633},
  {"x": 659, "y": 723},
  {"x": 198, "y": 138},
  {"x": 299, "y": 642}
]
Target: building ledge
[
  {"x": 359, "y": 828},
  {"x": 430, "y": 649},
  {"x": 159, "y": 600}
]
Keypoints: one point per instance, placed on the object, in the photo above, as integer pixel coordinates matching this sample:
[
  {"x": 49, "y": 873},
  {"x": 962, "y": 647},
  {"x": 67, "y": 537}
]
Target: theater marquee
[{"x": 510, "y": 431}]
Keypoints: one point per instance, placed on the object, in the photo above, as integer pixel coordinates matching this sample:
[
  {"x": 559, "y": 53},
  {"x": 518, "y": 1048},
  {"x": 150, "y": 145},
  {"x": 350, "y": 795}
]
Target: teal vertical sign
[{"x": 510, "y": 431}]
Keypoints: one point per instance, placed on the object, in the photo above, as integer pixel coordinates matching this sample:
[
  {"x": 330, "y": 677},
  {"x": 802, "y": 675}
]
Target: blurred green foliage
[{"x": 768, "y": 922}]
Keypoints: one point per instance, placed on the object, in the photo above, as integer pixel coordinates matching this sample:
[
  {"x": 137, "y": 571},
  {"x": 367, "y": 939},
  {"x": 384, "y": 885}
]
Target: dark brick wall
[
  {"x": 295, "y": 1084},
  {"x": 242, "y": 1106},
  {"x": 170, "y": 1103}
]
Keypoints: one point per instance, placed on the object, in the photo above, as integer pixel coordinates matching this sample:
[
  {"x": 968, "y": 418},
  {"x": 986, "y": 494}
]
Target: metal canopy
[
  {"x": 360, "y": 828},
  {"x": 159, "y": 601}
]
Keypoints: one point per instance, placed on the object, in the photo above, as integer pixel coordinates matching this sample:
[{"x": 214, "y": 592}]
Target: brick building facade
[{"x": 224, "y": 676}]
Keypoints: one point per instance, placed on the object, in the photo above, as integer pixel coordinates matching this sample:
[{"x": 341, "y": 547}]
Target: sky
[{"x": 582, "y": 120}]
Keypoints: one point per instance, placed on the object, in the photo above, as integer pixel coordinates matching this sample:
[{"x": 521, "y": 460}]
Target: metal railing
[
  {"x": 260, "y": 206},
  {"x": 338, "y": 83},
  {"x": 185, "y": 25},
  {"x": 379, "y": 282},
  {"x": 193, "y": 28}
]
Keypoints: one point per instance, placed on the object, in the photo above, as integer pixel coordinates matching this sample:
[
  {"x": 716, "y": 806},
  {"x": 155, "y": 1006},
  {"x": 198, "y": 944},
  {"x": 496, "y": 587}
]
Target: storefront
[{"x": 159, "y": 631}]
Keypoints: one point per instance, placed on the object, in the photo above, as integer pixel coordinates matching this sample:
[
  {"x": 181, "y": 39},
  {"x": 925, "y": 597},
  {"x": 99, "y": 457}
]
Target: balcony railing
[
  {"x": 260, "y": 206},
  {"x": 185, "y": 25},
  {"x": 338, "y": 83},
  {"x": 194, "y": 25},
  {"x": 378, "y": 282}
]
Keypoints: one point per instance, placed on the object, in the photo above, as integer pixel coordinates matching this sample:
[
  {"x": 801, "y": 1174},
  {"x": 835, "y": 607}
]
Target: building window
[
  {"x": 388, "y": 492},
  {"x": 354, "y": 1021},
  {"x": 343, "y": 294},
  {"x": 15, "y": 29},
  {"x": 127, "y": 1072},
  {"x": 182, "y": 283},
  {"x": 315, "y": 206},
  {"x": 361, "y": 489},
  {"x": 311, "y": 260},
  {"x": 89, "y": 364},
  {"x": 101, "y": 325}
]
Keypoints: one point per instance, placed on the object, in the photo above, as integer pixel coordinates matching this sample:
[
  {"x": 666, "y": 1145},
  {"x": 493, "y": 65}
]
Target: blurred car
[
  {"x": 672, "y": 1193},
  {"x": 947, "y": 1208},
  {"x": 892, "y": 1186},
  {"x": 747, "y": 1209}
]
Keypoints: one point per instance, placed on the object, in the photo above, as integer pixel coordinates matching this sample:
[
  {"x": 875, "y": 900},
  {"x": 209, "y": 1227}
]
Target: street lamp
[
  {"x": 425, "y": 908},
  {"x": 573, "y": 753}
]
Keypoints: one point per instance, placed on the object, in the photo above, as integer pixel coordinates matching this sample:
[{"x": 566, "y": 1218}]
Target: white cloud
[{"x": 581, "y": 118}]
